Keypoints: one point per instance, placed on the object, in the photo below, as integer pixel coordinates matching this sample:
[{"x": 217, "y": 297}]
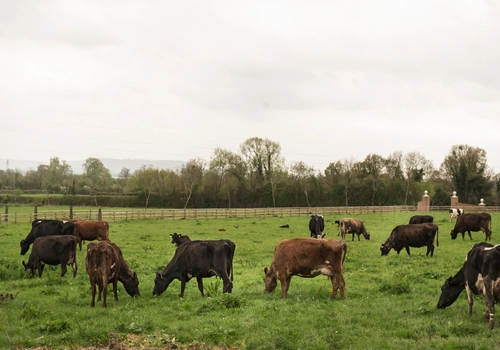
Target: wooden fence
[{"x": 195, "y": 214}]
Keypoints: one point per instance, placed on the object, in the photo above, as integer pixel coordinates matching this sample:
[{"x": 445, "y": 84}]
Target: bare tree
[{"x": 191, "y": 175}]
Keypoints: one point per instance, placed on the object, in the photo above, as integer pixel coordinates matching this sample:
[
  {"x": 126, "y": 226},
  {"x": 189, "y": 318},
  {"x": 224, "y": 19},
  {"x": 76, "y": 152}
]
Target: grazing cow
[
  {"x": 455, "y": 213},
  {"x": 41, "y": 228},
  {"x": 52, "y": 250},
  {"x": 354, "y": 226},
  {"x": 178, "y": 239},
  {"x": 453, "y": 286},
  {"x": 317, "y": 226},
  {"x": 200, "y": 259},
  {"x": 306, "y": 257},
  {"x": 472, "y": 222},
  {"x": 105, "y": 264},
  {"x": 479, "y": 275},
  {"x": 87, "y": 230},
  {"x": 421, "y": 219},
  {"x": 414, "y": 235}
]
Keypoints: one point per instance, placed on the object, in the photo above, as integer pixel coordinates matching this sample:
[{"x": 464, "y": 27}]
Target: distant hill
[{"x": 114, "y": 165}]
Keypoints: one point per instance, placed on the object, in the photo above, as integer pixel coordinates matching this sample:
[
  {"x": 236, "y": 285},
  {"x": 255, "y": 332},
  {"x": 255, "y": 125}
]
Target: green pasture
[{"x": 390, "y": 302}]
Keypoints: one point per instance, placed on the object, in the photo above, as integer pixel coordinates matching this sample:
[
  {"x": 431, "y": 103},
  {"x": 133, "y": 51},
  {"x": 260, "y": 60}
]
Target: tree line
[{"x": 258, "y": 176}]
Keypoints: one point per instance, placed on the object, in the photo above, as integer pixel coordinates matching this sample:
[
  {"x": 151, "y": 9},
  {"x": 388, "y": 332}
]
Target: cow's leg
[
  {"x": 115, "y": 288},
  {"x": 285, "y": 284},
  {"x": 470, "y": 236},
  {"x": 40, "y": 269},
  {"x": 470, "y": 299},
  {"x": 407, "y": 249},
  {"x": 64, "y": 268},
  {"x": 430, "y": 249},
  {"x": 338, "y": 282},
  {"x": 183, "y": 286},
  {"x": 200, "y": 285},
  {"x": 79, "y": 239},
  {"x": 75, "y": 268},
  {"x": 489, "y": 301}
]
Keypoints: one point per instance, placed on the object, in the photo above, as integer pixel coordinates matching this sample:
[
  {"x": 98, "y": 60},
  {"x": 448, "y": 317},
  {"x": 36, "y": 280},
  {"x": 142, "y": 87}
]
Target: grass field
[{"x": 390, "y": 301}]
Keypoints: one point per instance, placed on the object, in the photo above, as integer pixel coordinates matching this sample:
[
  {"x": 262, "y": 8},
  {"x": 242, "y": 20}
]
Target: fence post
[
  {"x": 6, "y": 218},
  {"x": 71, "y": 212},
  {"x": 99, "y": 214},
  {"x": 35, "y": 212}
]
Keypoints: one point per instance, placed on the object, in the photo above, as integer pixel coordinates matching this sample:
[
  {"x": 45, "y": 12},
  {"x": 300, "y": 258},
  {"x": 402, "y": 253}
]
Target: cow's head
[
  {"x": 453, "y": 234},
  {"x": 29, "y": 266},
  {"x": 270, "y": 282},
  {"x": 367, "y": 236},
  {"x": 175, "y": 238},
  {"x": 450, "y": 291},
  {"x": 161, "y": 284},
  {"x": 24, "y": 246},
  {"x": 385, "y": 249},
  {"x": 131, "y": 284}
]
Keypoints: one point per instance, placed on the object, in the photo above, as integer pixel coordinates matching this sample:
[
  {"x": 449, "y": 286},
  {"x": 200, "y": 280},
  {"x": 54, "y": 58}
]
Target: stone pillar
[
  {"x": 424, "y": 205},
  {"x": 454, "y": 200},
  {"x": 482, "y": 203}
]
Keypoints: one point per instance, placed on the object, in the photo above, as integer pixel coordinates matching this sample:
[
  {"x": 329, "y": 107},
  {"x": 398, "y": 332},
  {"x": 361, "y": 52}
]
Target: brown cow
[
  {"x": 306, "y": 257},
  {"x": 105, "y": 264},
  {"x": 472, "y": 222},
  {"x": 87, "y": 230},
  {"x": 354, "y": 226}
]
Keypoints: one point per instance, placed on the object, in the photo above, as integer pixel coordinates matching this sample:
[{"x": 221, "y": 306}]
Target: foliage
[
  {"x": 390, "y": 301},
  {"x": 257, "y": 176}
]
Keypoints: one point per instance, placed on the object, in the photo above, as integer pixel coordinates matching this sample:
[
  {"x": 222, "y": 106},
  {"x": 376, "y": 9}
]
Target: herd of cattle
[{"x": 55, "y": 242}]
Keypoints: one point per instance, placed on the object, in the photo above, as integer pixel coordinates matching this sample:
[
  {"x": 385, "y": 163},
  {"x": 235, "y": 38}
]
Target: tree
[
  {"x": 191, "y": 176},
  {"x": 300, "y": 173},
  {"x": 144, "y": 180},
  {"x": 466, "y": 167},
  {"x": 373, "y": 166},
  {"x": 97, "y": 175},
  {"x": 416, "y": 167}
]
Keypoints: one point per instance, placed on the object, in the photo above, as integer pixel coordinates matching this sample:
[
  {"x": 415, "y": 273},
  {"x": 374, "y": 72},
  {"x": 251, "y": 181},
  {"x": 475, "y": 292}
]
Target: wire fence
[{"x": 215, "y": 213}]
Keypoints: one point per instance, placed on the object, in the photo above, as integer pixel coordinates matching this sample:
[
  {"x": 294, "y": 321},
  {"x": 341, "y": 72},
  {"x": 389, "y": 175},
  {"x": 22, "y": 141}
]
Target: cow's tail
[
  {"x": 437, "y": 235},
  {"x": 344, "y": 248}
]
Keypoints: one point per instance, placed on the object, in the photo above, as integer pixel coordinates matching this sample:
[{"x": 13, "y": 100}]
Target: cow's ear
[
  {"x": 266, "y": 270},
  {"x": 158, "y": 275},
  {"x": 24, "y": 264}
]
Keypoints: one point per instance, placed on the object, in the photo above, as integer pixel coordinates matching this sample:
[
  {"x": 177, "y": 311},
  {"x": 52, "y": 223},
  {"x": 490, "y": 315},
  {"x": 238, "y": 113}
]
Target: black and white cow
[
  {"x": 479, "y": 275},
  {"x": 455, "y": 213},
  {"x": 317, "y": 226}
]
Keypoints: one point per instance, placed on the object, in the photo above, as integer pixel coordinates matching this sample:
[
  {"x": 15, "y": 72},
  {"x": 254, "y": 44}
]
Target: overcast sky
[{"x": 173, "y": 80}]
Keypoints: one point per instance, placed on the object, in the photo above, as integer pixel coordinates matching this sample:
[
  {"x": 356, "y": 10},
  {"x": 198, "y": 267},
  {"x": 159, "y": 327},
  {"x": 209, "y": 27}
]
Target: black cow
[
  {"x": 178, "y": 239},
  {"x": 421, "y": 219},
  {"x": 479, "y": 275},
  {"x": 414, "y": 235},
  {"x": 200, "y": 259},
  {"x": 472, "y": 222},
  {"x": 42, "y": 228},
  {"x": 317, "y": 226},
  {"x": 52, "y": 250}
]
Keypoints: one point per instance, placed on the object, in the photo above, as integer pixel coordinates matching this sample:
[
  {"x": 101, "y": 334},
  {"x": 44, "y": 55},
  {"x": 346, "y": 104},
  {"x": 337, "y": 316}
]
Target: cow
[
  {"x": 178, "y": 239},
  {"x": 317, "y": 226},
  {"x": 41, "y": 228},
  {"x": 421, "y": 219},
  {"x": 306, "y": 257},
  {"x": 354, "y": 226},
  {"x": 479, "y": 275},
  {"x": 200, "y": 259},
  {"x": 52, "y": 250},
  {"x": 414, "y": 235},
  {"x": 472, "y": 222},
  {"x": 104, "y": 264},
  {"x": 88, "y": 230},
  {"x": 455, "y": 213}
]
